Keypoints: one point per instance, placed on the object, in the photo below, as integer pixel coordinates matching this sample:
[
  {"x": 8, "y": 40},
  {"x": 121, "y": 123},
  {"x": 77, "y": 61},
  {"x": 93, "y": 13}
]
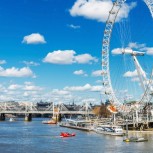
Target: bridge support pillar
[
  {"x": 58, "y": 117},
  {"x": 28, "y": 117},
  {"x": 2, "y": 117}
]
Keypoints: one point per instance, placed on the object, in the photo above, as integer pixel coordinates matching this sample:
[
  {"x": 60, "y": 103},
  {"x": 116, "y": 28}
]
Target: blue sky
[{"x": 51, "y": 49}]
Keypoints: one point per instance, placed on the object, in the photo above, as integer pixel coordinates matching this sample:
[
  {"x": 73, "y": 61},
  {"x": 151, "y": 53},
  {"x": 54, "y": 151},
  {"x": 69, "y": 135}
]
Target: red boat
[{"x": 65, "y": 134}]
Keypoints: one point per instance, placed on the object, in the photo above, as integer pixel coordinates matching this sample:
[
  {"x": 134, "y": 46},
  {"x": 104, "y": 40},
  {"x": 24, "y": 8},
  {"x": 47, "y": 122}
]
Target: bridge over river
[{"x": 29, "y": 108}]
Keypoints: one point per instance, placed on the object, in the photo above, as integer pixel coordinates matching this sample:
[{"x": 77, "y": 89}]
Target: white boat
[
  {"x": 51, "y": 121},
  {"x": 12, "y": 119},
  {"x": 109, "y": 130},
  {"x": 83, "y": 125}
]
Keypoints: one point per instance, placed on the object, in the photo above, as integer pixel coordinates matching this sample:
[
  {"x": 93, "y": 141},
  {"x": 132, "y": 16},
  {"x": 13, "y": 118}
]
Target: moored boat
[
  {"x": 113, "y": 130},
  {"x": 135, "y": 139},
  {"x": 83, "y": 125},
  {"x": 12, "y": 119},
  {"x": 49, "y": 122}
]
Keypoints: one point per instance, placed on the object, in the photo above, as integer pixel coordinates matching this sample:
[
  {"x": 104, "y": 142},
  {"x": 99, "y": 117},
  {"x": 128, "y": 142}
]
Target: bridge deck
[{"x": 45, "y": 112}]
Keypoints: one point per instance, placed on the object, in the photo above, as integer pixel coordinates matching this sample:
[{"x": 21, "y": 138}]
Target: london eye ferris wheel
[{"x": 134, "y": 52}]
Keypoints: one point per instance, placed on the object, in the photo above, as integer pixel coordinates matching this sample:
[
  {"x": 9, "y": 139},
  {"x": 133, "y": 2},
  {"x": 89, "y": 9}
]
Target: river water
[{"x": 35, "y": 137}]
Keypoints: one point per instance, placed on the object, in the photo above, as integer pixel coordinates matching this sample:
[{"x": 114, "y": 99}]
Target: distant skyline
[{"x": 51, "y": 49}]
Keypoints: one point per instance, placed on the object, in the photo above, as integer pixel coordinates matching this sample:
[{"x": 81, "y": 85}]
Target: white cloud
[
  {"x": 60, "y": 57},
  {"x": 149, "y": 50},
  {"x": 60, "y": 92},
  {"x": 14, "y": 87},
  {"x": 32, "y": 95},
  {"x": 73, "y": 26},
  {"x": 26, "y": 94},
  {"x": 79, "y": 72},
  {"x": 135, "y": 79},
  {"x": 131, "y": 73},
  {"x": 2, "y": 62},
  {"x": 78, "y": 88},
  {"x": 68, "y": 57},
  {"x": 98, "y": 10},
  {"x": 135, "y": 45},
  {"x": 89, "y": 100},
  {"x": 125, "y": 10},
  {"x": 34, "y": 38},
  {"x": 96, "y": 88},
  {"x": 32, "y": 88},
  {"x": 141, "y": 47},
  {"x": 31, "y": 63},
  {"x": 97, "y": 73},
  {"x": 85, "y": 58},
  {"x": 5, "y": 98},
  {"x": 117, "y": 51},
  {"x": 2, "y": 88},
  {"x": 23, "y": 92},
  {"x": 16, "y": 72},
  {"x": 86, "y": 87}
]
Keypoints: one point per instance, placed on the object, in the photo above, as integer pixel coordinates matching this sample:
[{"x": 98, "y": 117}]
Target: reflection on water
[{"x": 35, "y": 137}]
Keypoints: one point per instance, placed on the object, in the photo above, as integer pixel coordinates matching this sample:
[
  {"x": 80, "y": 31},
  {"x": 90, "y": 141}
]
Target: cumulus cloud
[
  {"x": 89, "y": 100},
  {"x": 86, "y": 87},
  {"x": 85, "y": 58},
  {"x": 32, "y": 95},
  {"x": 117, "y": 51},
  {"x": 26, "y": 94},
  {"x": 135, "y": 79},
  {"x": 149, "y": 50},
  {"x": 135, "y": 45},
  {"x": 98, "y": 10},
  {"x": 131, "y": 73},
  {"x": 14, "y": 87},
  {"x": 68, "y": 57},
  {"x": 16, "y": 72},
  {"x": 79, "y": 72},
  {"x": 34, "y": 38},
  {"x": 2, "y": 62},
  {"x": 141, "y": 47},
  {"x": 22, "y": 92},
  {"x": 31, "y": 63},
  {"x": 96, "y": 88},
  {"x": 60, "y": 92},
  {"x": 60, "y": 57},
  {"x": 2, "y": 88},
  {"x": 73, "y": 26},
  {"x": 96, "y": 73},
  {"x": 32, "y": 88},
  {"x": 6, "y": 98},
  {"x": 78, "y": 88},
  {"x": 60, "y": 96},
  {"x": 29, "y": 92}
]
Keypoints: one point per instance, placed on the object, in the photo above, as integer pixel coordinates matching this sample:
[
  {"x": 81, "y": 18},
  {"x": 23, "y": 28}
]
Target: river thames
[{"x": 35, "y": 137}]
